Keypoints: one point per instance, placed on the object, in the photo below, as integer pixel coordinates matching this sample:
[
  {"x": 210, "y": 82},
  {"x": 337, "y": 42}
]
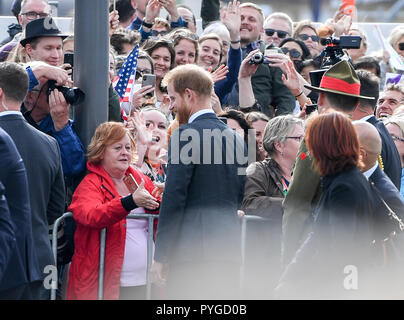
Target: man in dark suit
[
  {"x": 365, "y": 111},
  {"x": 383, "y": 225},
  {"x": 371, "y": 145},
  {"x": 42, "y": 160},
  {"x": 7, "y": 234},
  {"x": 22, "y": 277},
  {"x": 198, "y": 234}
]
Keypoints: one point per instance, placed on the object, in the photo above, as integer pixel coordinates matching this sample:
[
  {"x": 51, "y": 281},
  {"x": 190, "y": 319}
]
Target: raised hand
[
  {"x": 138, "y": 124},
  {"x": 171, "y": 7},
  {"x": 290, "y": 77},
  {"x": 220, "y": 73},
  {"x": 152, "y": 10},
  {"x": 58, "y": 109},
  {"x": 232, "y": 19},
  {"x": 113, "y": 22},
  {"x": 247, "y": 69}
]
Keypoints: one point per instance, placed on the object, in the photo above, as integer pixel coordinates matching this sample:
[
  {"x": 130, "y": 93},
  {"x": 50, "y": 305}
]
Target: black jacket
[
  {"x": 390, "y": 155},
  {"x": 23, "y": 266},
  {"x": 342, "y": 235}
]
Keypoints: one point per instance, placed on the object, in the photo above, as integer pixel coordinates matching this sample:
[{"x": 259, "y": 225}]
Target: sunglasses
[
  {"x": 281, "y": 34},
  {"x": 293, "y": 52},
  {"x": 305, "y": 37},
  {"x": 401, "y": 46},
  {"x": 156, "y": 33}
]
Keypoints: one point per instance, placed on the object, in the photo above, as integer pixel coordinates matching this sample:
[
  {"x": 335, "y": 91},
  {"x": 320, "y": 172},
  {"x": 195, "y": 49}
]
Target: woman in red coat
[{"x": 103, "y": 200}]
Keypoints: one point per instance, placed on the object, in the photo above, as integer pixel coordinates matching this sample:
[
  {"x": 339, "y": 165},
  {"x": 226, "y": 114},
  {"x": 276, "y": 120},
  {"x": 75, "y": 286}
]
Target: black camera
[
  {"x": 73, "y": 96},
  {"x": 334, "y": 53},
  {"x": 258, "y": 58}
]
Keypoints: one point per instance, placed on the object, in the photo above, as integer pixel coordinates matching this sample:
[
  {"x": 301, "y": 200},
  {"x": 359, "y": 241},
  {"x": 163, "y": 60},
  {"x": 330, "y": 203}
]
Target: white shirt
[
  {"x": 4, "y": 113},
  {"x": 199, "y": 113},
  {"x": 367, "y": 117},
  {"x": 368, "y": 173}
]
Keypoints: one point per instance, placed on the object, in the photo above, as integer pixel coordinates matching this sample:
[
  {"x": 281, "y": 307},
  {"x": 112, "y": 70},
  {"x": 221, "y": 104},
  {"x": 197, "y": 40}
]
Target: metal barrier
[
  {"x": 150, "y": 217},
  {"x": 55, "y": 248},
  {"x": 245, "y": 219}
]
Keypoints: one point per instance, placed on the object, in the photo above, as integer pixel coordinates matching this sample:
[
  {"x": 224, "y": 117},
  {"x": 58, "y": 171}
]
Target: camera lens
[{"x": 257, "y": 58}]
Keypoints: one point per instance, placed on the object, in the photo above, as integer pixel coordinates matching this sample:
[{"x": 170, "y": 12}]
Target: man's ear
[
  {"x": 188, "y": 93},
  {"x": 363, "y": 154},
  {"x": 28, "y": 49}
]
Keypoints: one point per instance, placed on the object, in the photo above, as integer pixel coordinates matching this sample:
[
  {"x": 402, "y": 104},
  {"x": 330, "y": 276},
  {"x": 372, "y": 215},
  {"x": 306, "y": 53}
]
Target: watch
[{"x": 147, "y": 24}]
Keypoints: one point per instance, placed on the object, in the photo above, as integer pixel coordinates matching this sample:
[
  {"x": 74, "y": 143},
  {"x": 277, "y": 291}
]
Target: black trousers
[{"x": 29, "y": 291}]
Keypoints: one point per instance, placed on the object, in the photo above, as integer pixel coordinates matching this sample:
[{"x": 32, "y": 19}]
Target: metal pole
[
  {"x": 56, "y": 224},
  {"x": 149, "y": 258},
  {"x": 91, "y": 65},
  {"x": 102, "y": 264}
]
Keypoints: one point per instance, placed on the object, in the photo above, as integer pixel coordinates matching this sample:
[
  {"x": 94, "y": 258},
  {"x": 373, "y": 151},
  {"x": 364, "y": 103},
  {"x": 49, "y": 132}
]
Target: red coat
[{"x": 96, "y": 205}]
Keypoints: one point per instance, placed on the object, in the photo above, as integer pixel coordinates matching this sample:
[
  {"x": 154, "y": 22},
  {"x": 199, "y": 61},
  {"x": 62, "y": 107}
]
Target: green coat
[{"x": 302, "y": 198}]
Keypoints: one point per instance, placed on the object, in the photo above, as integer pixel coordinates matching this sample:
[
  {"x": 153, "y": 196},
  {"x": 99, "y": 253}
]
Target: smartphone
[
  {"x": 68, "y": 58},
  {"x": 149, "y": 80},
  {"x": 130, "y": 183},
  {"x": 311, "y": 108}
]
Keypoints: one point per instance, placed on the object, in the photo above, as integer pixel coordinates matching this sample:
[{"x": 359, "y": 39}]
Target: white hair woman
[{"x": 266, "y": 186}]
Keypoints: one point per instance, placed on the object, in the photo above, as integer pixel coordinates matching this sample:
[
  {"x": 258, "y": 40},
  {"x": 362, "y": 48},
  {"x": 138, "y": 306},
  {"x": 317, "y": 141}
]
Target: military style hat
[{"x": 341, "y": 78}]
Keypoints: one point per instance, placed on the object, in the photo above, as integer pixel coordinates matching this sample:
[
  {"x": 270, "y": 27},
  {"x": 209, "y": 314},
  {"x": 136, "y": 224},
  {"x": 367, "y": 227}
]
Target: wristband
[
  {"x": 299, "y": 94},
  {"x": 235, "y": 41},
  {"x": 147, "y": 24}
]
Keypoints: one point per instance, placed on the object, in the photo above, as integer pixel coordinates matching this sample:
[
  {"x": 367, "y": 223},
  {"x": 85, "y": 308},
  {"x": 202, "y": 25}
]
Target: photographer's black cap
[{"x": 43, "y": 27}]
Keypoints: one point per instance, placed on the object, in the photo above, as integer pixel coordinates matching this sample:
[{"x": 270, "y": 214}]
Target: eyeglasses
[
  {"x": 281, "y": 34},
  {"x": 401, "y": 46},
  {"x": 293, "y": 52},
  {"x": 397, "y": 138},
  {"x": 299, "y": 138},
  {"x": 305, "y": 37},
  {"x": 32, "y": 15}
]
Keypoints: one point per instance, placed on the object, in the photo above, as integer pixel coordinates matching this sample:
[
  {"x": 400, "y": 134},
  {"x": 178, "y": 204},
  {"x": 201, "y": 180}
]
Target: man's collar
[
  {"x": 199, "y": 113},
  {"x": 369, "y": 172},
  {"x": 5, "y": 113}
]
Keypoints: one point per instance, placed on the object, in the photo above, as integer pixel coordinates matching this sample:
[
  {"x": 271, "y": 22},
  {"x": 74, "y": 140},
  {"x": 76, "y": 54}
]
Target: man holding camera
[
  {"x": 269, "y": 90},
  {"x": 47, "y": 110}
]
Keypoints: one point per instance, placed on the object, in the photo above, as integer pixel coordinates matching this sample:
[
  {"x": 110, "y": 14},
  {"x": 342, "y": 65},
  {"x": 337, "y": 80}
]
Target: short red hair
[{"x": 333, "y": 143}]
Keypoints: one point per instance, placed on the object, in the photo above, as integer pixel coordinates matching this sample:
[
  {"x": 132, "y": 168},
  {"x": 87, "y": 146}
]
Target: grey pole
[{"x": 91, "y": 65}]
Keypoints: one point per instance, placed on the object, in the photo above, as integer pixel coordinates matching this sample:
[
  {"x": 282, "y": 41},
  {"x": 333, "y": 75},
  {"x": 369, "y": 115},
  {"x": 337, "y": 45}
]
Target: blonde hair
[
  {"x": 256, "y": 7},
  {"x": 107, "y": 134},
  {"x": 395, "y": 34}
]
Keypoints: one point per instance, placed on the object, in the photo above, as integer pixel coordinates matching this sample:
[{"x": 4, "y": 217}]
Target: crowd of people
[{"x": 324, "y": 143}]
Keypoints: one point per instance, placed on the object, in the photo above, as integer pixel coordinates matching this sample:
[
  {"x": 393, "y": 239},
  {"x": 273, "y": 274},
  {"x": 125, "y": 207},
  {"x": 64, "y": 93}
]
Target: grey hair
[
  {"x": 217, "y": 27},
  {"x": 395, "y": 35},
  {"x": 277, "y": 129}
]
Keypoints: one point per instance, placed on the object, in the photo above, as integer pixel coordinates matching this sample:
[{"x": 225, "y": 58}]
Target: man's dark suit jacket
[
  {"x": 7, "y": 235},
  {"x": 42, "y": 160},
  {"x": 389, "y": 193},
  {"x": 198, "y": 220},
  {"x": 390, "y": 155},
  {"x": 23, "y": 267}
]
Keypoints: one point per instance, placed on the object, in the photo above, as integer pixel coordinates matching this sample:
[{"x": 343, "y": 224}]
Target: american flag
[{"x": 123, "y": 82}]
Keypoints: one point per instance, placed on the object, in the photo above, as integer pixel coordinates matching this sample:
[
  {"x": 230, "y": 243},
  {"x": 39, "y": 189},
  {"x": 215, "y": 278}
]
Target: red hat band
[{"x": 340, "y": 85}]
